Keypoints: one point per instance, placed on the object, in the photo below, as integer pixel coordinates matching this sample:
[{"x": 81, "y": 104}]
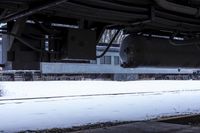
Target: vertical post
[{"x": 8, "y": 40}]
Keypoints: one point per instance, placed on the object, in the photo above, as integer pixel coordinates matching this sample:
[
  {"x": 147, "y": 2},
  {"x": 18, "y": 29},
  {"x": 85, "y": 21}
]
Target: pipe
[
  {"x": 31, "y": 11},
  {"x": 178, "y": 8},
  {"x": 184, "y": 42}
]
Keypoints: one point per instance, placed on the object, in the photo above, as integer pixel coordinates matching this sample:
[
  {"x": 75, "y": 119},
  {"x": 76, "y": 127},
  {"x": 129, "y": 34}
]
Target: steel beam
[
  {"x": 31, "y": 11},
  {"x": 178, "y": 8}
]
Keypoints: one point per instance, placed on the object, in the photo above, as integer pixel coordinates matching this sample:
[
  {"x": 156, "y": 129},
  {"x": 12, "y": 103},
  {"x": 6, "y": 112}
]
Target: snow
[
  {"x": 79, "y": 88},
  {"x": 40, "y": 105}
]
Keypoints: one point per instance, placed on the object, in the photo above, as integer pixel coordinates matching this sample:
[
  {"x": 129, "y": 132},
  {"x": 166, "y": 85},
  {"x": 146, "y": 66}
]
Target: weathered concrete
[{"x": 146, "y": 127}]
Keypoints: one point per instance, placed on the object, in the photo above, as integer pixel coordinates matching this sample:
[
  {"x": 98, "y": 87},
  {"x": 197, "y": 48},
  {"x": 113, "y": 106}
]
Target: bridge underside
[{"x": 50, "y": 30}]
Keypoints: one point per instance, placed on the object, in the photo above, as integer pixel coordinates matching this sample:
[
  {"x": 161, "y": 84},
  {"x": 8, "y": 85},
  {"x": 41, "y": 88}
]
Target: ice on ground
[{"x": 116, "y": 101}]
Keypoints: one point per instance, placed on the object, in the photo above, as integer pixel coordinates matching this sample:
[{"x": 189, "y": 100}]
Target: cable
[
  {"x": 107, "y": 27},
  {"x": 109, "y": 45},
  {"x": 102, "y": 32}
]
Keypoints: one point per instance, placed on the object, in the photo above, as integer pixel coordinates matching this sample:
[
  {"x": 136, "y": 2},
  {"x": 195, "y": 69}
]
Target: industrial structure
[
  {"x": 110, "y": 67},
  {"x": 119, "y": 40},
  {"x": 158, "y": 33}
]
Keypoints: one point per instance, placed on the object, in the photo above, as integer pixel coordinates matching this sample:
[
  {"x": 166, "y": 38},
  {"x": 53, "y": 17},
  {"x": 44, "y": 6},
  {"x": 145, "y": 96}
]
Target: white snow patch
[
  {"x": 74, "y": 88},
  {"x": 92, "y": 102}
]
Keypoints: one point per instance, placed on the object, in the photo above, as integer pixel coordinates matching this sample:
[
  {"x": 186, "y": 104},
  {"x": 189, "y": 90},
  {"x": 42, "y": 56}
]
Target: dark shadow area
[
  {"x": 193, "y": 120},
  {"x": 79, "y": 128}
]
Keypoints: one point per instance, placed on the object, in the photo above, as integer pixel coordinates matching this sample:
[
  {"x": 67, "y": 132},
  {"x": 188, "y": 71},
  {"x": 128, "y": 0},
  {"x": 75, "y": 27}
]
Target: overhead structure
[{"x": 52, "y": 30}]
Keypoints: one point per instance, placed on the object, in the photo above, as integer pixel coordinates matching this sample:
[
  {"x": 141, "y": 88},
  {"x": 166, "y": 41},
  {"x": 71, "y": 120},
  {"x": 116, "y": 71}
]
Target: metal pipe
[
  {"x": 176, "y": 17},
  {"x": 31, "y": 11},
  {"x": 178, "y": 8},
  {"x": 184, "y": 42}
]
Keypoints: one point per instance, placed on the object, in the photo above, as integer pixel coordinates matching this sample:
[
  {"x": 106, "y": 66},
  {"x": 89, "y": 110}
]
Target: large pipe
[
  {"x": 31, "y": 11},
  {"x": 178, "y": 8}
]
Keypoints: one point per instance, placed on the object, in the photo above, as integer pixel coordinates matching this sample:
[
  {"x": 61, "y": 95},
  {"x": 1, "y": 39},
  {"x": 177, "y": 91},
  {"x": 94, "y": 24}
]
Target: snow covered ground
[{"x": 40, "y": 105}]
